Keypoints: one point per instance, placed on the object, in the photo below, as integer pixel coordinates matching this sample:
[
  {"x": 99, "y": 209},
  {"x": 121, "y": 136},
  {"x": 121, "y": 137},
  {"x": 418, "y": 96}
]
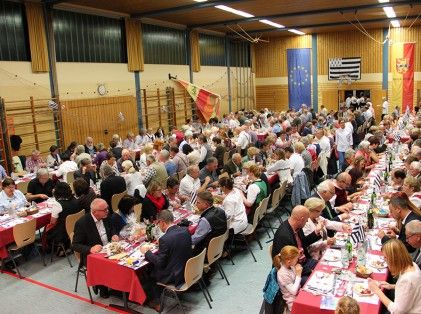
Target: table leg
[{"x": 125, "y": 307}]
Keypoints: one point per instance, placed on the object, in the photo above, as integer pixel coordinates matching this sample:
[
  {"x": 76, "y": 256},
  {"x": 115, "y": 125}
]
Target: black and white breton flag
[
  {"x": 344, "y": 67},
  {"x": 377, "y": 182},
  {"x": 357, "y": 234}
]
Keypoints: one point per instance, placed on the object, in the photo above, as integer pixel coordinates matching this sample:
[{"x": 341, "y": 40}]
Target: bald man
[{"x": 290, "y": 232}]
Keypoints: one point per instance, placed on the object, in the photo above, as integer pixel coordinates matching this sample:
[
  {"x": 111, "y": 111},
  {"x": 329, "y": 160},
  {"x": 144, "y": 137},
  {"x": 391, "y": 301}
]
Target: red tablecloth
[
  {"x": 306, "y": 302},
  {"x": 6, "y": 234},
  {"x": 106, "y": 272}
]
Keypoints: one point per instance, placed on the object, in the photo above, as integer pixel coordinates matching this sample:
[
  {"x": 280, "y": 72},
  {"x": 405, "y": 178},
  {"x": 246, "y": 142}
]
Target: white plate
[
  {"x": 378, "y": 264},
  {"x": 358, "y": 288}
]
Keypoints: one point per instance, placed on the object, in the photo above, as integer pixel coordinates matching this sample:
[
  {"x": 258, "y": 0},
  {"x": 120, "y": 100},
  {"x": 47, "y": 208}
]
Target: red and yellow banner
[
  {"x": 206, "y": 101},
  {"x": 402, "y": 65}
]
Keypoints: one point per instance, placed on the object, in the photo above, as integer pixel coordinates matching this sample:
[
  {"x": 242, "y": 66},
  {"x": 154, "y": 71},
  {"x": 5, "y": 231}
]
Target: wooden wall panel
[
  {"x": 273, "y": 97},
  {"x": 99, "y": 118},
  {"x": 271, "y": 58},
  {"x": 350, "y": 44},
  {"x": 412, "y": 34}
]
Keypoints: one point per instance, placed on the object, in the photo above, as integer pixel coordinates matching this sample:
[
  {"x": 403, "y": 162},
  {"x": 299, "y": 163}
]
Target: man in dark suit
[
  {"x": 400, "y": 208},
  {"x": 325, "y": 191},
  {"x": 111, "y": 184},
  {"x": 92, "y": 232},
  {"x": 413, "y": 237},
  {"x": 175, "y": 248},
  {"x": 290, "y": 233},
  {"x": 233, "y": 167}
]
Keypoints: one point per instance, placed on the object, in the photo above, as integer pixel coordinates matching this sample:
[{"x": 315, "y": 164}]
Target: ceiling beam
[
  {"x": 52, "y": 2},
  {"x": 305, "y": 13},
  {"x": 183, "y": 8},
  {"x": 385, "y": 19}
]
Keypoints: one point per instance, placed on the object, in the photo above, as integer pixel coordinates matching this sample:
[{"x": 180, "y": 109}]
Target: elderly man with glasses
[
  {"x": 413, "y": 238},
  {"x": 92, "y": 232}
]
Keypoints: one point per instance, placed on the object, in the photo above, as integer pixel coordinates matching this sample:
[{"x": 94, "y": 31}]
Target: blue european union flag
[{"x": 299, "y": 77}]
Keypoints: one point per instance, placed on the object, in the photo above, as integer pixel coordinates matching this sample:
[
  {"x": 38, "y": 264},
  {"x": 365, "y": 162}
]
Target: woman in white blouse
[
  {"x": 407, "y": 288},
  {"x": 233, "y": 206},
  {"x": 133, "y": 179},
  {"x": 281, "y": 166},
  {"x": 315, "y": 205}
]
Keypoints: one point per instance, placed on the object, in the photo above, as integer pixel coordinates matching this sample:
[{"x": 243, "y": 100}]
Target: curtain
[
  {"x": 195, "y": 51},
  {"x": 252, "y": 58},
  {"x": 37, "y": 37},
  {"x": 135, "y": 58}
]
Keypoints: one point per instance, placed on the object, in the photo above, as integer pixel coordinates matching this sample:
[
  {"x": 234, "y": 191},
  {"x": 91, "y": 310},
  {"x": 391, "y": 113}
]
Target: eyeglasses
[
  {"x": 102, "y": 210},
  {"x": 407, "y": 237}
]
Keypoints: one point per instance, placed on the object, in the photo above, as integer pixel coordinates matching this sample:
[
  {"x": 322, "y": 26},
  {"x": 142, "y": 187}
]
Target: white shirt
[
  {"x": 283, "y": 169},
  {"x": 188, "y": 185},
  {"x": 252, "y": 191},
  {"x": 368, "y": 114},
  {"x": 101, "y": 230},
  {"x": 343, "y": 139},
  {"x": 56, "y": 208},
  {"x": 296, "y": 164},
  {"x": 66, "y": 167},
  {"x": 243, "y": 140},
  {"x": 133, "y": 180},
  {"x": 235, "y": 211},
  {"x": 407, "y": 293},
  {"x": 324, "y": 144},
  {"x": 385, "y": 107}
]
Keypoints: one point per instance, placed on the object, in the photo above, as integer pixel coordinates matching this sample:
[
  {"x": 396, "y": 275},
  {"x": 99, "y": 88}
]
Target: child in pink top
[{"x": 289, "y": 273}]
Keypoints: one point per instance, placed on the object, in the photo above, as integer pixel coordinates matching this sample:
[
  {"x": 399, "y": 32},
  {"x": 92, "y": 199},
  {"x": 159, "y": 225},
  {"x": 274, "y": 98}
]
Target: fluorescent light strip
[
  {"x": 231, "y": 10},
  {"x": 390, "y": 13},
  {"x": 296, "y": 32},
  {"x": 383, "y": 1},
  {"x": 395, "y": 23},
  {"x": 272, "y": 23},
  {"x": 200, "y": 0}
]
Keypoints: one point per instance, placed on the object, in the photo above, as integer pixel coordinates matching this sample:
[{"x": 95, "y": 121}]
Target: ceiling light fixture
[
  {"x": 296, "y": 32},
  {"x": 390, "y": 13},
  {"x": 395, "y": 23},
  {"x": 231, "y": 10},
  {"x": 200, "y": 0},
  {"x": 272, "y": 23},
  {"x": 380, "y": 1}
]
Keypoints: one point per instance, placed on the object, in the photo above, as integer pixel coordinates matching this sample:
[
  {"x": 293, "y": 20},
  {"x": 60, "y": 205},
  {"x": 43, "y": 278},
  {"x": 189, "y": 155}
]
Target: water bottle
[
  {"x": 362, "y": 254},
  {"x": 11, "y": 211},
  {"x": 188, "y": 205},
  {"x": 344, "y": 258}
]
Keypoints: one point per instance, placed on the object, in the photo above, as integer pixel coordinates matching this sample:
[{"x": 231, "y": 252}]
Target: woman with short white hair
[
  {"x": 134, "y": 180},
  {"x": 316, "y": 205}
]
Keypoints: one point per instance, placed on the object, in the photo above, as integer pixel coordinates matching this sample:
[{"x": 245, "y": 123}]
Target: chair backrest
[
  {"x": 276, "y": 197},
  {"x": 216, "y": 247},
  {"x": 77, "y": 254},
  {"x": 226, "y": 158},
  {"x": 270, "y": 250},
  {"x": 137, "y": 211},
  {"x": 194, "y": 269},
  {"x": 71, "y": 221},
  {"x": 115, "y": 199},
  {"x": 23, "y": 186},
  {"x": 181, "y": 174},
  {"x": 283, "y": 190},
  {"x": 24, "y": 233},
  {"x": 264, "y": 207},
  {"x": 223, "y": 175},
  {"x": 70, "y": 178}
]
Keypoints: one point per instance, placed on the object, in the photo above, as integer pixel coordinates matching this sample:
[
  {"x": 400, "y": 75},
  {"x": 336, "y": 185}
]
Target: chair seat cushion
[
  {"x": 249, "y": 230},
  {"x": 181, "y": 288}
]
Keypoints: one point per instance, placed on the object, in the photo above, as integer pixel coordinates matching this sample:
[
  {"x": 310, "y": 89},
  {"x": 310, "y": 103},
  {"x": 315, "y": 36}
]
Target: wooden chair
[
  {"x": 270, "y": 250},
  {"x": 23, "y": 186},
  {"x": 214, "y": 253},
  {"x": 192, "y": 274},
  {"x": 81, "y": 269},
  {"x": 251, "y": 228},
  {"x": 115, "y": 199},
  {"x": 137, "y": 211},
  {"x": 70, "y": 178},
  {"x": 24, "y": 235},
  {"x": 181, "y": 174},
  {"x": 226, "y": 158},
  {"x": 71, "y": 221}
]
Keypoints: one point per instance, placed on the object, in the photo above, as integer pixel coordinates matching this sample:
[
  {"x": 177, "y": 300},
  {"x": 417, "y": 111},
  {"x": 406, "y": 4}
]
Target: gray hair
[
  {"x": 324, "y": 186},
  {"x": 164, "y": 153},
  {"x": 80, "y": 149},
  {"x": 314, "y": 202},
  {"x": 42, "y": 172},
  {"x": 349, "y": 153},
  {"x": 413, "y": 227},
  {"x": 107, "y": 170},
  {"x": 364, "y": 145},
  {"x": 191, "y": 168},
  {"x": 150, "y": 158},
  {"x": 166, "y": 216}
]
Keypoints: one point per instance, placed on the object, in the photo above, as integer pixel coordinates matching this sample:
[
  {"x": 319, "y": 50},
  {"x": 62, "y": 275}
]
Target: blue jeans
[{"x": 341, "y": 158}]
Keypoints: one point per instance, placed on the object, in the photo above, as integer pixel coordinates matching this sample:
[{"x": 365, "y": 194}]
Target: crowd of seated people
[{"x": 323, "y": 153}]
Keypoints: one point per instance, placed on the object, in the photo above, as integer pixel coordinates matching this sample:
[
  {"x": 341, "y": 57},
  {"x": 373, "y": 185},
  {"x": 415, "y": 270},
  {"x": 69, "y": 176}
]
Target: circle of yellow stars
[{"x": 295, "y": 69}]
